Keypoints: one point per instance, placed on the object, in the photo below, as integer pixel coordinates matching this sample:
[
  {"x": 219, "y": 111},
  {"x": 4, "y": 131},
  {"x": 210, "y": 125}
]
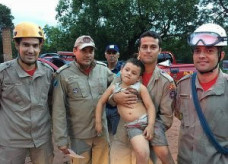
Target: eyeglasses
[
  {"x": 205, "y": 38},
  {"x": 111, "y": 52}
]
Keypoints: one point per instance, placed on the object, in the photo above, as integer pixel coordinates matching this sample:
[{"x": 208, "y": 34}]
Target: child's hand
[
  {"x": 149, "y": 132},
  {"x": 98, "y": 128}
]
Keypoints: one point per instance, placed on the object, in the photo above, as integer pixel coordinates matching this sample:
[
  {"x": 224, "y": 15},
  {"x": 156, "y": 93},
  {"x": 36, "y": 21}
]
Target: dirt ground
[{"x": 172, "y": 135}]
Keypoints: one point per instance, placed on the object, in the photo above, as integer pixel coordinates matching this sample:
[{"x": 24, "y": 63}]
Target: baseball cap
[
  {"x": 84, "y": 41},
  {"x": 112, "y": 47}
]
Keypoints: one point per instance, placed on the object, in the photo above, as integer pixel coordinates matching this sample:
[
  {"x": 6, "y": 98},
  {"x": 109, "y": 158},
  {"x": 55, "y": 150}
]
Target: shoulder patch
[
  {"x": 184, "y": 78},
  {"x": 166, "y": 75},
  {"x": 101, "y": 63},
  {"x": 5, "y": 65},
  {"x": 63, "y": 67}
]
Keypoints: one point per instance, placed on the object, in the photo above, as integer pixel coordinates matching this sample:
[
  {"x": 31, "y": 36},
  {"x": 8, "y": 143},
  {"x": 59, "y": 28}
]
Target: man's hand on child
[{"x": 125, "y": 98}]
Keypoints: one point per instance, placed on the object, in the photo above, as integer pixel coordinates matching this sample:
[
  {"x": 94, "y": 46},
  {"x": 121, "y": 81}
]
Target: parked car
[
  {"x": 60, "y": 58},
  {"x": 225, "y": 66},
  {"x": 49, "y": 63},
  {"x": 66, "y": 56}
]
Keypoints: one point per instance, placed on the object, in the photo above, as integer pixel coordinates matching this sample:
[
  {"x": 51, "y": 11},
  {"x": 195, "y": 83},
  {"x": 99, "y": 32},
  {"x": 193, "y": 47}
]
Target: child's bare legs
[
  {"x": 163, "y": 154},
  {"x": 141, "y": 148}
]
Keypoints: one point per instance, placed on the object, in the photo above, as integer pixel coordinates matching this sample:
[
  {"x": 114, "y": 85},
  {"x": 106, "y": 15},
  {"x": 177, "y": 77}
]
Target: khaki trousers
[
  {"x": 39, "y": 155},
  {"x": 95, "y": 150}
]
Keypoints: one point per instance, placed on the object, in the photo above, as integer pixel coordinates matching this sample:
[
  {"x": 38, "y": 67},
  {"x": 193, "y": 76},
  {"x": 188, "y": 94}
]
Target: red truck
[{"x": 167, "y": 62}]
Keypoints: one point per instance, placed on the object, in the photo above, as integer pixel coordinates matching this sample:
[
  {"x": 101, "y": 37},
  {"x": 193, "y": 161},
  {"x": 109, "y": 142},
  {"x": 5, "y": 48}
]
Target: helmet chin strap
[{"x": 210, "y": 71}]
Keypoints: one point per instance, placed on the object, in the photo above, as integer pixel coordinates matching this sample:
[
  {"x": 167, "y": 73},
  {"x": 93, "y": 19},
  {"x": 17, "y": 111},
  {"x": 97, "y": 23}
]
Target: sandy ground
[{"x": 172, "y": 135}]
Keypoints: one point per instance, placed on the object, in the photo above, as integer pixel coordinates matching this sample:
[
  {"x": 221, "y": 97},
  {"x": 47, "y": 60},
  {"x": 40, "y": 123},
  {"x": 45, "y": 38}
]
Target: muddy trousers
[{"x": 39, "y": 155}]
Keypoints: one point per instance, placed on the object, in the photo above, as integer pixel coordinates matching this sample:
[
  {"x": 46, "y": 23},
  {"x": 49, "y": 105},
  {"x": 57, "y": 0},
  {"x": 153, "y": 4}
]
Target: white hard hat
[{"x": 209, "y": 35}]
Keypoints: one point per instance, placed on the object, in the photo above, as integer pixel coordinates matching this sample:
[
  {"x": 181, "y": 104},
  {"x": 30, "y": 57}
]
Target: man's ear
[
  {"x": 74, "y": 50},
  {"x": 106, "y": 55},
  {"x": 222, "y": 55},
  {"x": 140, "y": 78},
  {"x": 17, "y": 46},
  {"x": 41, "y": 45}
]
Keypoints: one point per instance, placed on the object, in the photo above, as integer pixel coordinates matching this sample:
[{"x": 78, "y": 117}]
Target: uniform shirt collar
[
  {"x": 218, "y": 88},
  {"x": 93, "y": 64},
  {"x": 22, "y": 73}
]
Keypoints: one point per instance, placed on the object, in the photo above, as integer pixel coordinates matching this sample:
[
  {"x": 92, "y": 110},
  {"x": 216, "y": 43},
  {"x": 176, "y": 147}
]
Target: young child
[{"x": 141, "y": 117}]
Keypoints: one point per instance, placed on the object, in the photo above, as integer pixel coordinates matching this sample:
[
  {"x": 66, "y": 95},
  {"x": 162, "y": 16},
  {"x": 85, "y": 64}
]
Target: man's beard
[{"x": 27, "y": 63}]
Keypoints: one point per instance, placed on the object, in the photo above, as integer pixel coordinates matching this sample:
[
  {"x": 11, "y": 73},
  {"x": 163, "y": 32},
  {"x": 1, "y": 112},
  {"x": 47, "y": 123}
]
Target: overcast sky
[{"x": 41, "y": 12}]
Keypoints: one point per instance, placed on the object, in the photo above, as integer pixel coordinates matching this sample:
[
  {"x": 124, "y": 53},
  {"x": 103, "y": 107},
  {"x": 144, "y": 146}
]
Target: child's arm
[
  {"x": 99, "y": 108},
  {"x": 149, "y": 130}
]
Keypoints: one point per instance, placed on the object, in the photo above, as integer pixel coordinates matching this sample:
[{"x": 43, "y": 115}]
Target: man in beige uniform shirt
[
  {"x": 211, "y": 86},
  {"x": 77, "y": 89},
  {"x": 25, "y": 127},
  {"x": 162, "y": 90}
]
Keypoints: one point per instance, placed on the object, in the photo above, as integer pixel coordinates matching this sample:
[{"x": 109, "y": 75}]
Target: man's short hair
[
  {"x": 18, "y": 40},
  {"x": 152, "y": 34}
]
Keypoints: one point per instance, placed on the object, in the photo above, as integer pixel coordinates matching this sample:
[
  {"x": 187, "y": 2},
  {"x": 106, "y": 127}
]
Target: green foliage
[
  {"x": 5, "y": 22},
  {"x": 57, "y": 40},
  {"x": 123, "y": 21},
  {"x": 214, "y": 11},
  {"x": 5, "y": 17}
]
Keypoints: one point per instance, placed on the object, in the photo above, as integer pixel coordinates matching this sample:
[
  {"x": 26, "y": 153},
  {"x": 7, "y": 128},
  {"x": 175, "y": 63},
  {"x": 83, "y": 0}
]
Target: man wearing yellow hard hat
[{"x": 24, "y": 113}]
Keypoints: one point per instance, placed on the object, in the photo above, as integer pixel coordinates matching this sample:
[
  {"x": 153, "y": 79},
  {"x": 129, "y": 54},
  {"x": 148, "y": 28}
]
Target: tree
[
  {"x": 5, "y": 17},
  {"x": 122, "y": 21},
  {"x": 5, "y": 22},
  {"x": 57, "y": 40}
]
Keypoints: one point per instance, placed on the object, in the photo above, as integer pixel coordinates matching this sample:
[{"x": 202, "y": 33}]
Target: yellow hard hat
[{"x": 28, "y": 30}]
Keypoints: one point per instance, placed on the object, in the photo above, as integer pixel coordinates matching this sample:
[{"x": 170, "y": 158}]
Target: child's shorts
[{"x": 137, "y": 127}]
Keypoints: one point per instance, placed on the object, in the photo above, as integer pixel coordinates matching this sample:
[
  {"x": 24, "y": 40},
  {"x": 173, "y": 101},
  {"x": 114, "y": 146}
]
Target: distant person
[
  {"x": 202, "y": 101},
  {"x": 112, "y": 54},
  {"x": 77, "y": 88},
  {"x": 162, "y": 91},
  {"x": 139, "y": 120},
  {"x": 25, "y": 127}
]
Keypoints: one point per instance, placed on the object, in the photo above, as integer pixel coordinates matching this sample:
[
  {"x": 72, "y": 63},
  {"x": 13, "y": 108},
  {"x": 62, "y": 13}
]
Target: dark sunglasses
[{"x": 111, "y": 52}]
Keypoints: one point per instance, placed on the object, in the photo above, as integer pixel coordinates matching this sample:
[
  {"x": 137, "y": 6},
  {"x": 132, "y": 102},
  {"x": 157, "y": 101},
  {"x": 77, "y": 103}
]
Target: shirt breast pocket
[
  {"x": 99, "y": 85},
  {"x": 77, "y": 89},
  {"x": 187, "y": 110},
  {"x": 13, "y": 92}
]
